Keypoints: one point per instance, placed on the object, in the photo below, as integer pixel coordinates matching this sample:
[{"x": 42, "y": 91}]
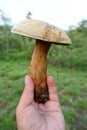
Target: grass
[{"x": 71, "y": 85}]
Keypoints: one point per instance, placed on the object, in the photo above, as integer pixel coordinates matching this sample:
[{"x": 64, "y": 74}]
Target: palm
[
  {"x": 34, "y": 116},
  {"x": 45, "y": 117}
]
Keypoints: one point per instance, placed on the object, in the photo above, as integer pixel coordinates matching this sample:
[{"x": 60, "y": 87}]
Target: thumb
[{"x": 28, "y": 93}]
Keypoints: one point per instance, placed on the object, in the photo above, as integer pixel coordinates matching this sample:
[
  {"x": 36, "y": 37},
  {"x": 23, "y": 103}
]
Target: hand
[{"x": 33, "y": 116}]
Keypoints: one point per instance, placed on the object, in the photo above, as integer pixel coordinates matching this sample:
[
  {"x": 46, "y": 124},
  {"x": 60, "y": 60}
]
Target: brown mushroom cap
[{"x": 42, "y": 31}]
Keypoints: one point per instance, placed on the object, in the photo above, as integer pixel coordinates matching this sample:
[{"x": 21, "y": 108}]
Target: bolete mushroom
[{"x": 45, "y": 34}]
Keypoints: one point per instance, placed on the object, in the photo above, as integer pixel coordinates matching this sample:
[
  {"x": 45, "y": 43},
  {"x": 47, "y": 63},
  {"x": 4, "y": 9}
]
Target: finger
[
  {"x": 52, "y": 89},
  {"x": 28, "y": 93}
]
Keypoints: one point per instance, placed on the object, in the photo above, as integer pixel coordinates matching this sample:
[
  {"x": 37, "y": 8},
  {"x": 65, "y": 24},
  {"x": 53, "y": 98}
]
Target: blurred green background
[{"x": 67, "y": 64}]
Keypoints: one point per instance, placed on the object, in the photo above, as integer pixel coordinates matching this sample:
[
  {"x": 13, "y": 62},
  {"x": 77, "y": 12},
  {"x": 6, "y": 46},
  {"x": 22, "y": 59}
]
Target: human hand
[{"x": 33, "y": 116}]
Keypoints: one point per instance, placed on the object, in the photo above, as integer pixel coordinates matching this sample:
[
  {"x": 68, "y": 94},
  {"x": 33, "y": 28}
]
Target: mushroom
[{"x": 45, "y": 34}]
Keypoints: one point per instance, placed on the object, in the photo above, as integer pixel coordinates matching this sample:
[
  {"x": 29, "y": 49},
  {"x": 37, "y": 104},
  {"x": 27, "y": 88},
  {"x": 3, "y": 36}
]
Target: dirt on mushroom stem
[{"x": 38, "y": 70}]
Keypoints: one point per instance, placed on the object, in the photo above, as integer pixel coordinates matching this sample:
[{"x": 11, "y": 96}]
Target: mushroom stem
[{"x": 38, "y": 71}]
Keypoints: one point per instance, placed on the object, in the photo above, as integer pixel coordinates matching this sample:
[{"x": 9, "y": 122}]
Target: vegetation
[{"x": 67, "y": 64}]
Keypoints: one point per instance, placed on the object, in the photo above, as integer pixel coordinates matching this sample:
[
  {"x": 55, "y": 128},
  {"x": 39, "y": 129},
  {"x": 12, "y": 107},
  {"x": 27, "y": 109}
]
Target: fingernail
[
  {"x": 50, "y": 78},
  {"x": 27, "y": 79}
]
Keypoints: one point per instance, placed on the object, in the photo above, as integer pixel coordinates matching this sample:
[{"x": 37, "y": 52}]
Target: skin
[{"x": 34, "y": 116}]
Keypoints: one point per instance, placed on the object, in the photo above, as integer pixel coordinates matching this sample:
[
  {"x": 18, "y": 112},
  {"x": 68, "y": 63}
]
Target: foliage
[
  {"x": 29, "y": 14},
  {"x": 4, "y": 17}
]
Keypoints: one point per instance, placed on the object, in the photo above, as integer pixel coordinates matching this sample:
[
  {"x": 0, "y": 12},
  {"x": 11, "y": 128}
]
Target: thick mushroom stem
[{"x": 38, "y": 71}]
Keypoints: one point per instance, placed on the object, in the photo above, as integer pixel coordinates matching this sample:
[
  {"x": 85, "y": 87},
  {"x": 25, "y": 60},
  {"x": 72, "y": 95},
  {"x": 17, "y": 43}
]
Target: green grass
[{"x": 71, "y": 85}]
